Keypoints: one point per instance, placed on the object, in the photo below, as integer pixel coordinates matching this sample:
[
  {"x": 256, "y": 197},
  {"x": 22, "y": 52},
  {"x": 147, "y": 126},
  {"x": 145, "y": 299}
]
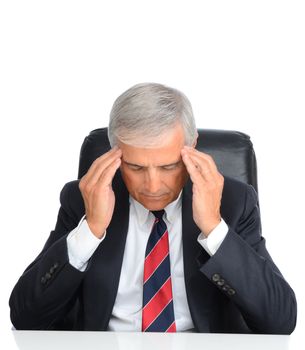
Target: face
[{"x": 155, "y": 176}]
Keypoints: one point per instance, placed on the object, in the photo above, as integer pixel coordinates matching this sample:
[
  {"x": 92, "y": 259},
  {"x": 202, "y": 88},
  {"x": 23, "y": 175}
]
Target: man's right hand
[{"x": 96, "y": 189}]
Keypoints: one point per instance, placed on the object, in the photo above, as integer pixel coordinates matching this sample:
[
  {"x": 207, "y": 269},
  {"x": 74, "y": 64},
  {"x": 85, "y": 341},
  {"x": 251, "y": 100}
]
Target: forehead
[{"x": 166, "y": 152}]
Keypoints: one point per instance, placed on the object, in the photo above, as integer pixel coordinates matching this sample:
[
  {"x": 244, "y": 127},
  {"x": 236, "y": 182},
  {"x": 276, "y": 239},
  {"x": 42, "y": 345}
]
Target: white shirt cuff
[
  {"x": 214, "y": 239},
  {"x": 82, "y": 243}
]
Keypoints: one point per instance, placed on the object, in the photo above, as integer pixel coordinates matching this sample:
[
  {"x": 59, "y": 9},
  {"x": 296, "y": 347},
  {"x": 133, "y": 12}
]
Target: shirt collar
[{"x": 143, "y": 214}]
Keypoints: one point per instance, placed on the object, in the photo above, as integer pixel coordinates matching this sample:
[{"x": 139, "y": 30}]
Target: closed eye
[
  {"x": 135, "y": 167},
  {"x": 169, "y": 167}
]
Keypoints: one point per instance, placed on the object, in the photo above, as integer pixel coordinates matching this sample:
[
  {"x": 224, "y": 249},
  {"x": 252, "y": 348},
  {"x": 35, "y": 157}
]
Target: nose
[{"x": 153, "y": 182}]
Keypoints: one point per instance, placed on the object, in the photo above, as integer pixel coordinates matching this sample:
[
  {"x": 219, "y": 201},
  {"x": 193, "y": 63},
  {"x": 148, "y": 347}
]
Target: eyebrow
[{"x": 159, "y": 166}]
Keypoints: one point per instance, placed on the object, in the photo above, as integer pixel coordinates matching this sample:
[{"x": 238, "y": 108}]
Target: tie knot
[{"x": 158, "y": 213}]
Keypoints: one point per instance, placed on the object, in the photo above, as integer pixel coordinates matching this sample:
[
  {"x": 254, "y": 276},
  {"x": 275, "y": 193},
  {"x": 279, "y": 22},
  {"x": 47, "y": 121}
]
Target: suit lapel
[
  {"x": 195, "y": 281},
  {"x": 190, "y": 232},
  {"x": 102, "y": 280}
]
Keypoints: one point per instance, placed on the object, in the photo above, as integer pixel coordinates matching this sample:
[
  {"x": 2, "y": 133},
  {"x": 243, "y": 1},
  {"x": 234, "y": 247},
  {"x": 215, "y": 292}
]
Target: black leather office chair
[{"x": 232, "y": 151}]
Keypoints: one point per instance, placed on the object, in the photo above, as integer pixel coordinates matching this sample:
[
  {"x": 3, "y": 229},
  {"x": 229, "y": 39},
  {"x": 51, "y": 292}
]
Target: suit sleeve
[
  {"x": 48, "y": 288},
  {"x": 244, "y": 271}
]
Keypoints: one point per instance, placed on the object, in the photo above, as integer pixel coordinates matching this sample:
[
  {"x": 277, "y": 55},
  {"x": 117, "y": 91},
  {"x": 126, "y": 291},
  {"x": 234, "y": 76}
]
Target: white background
[{"x": 62, "y": 64}]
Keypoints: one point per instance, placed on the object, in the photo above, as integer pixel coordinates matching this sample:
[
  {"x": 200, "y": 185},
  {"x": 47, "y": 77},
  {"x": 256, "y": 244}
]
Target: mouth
[{"x": 154, "y": 197}]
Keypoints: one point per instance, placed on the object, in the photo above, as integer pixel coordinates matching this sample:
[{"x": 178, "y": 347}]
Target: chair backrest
[{"x": 232, "y": 151}]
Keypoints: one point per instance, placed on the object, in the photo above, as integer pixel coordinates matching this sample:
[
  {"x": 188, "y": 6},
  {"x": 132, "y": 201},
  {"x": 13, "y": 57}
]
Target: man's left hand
[{"x": 207, "y": 188}]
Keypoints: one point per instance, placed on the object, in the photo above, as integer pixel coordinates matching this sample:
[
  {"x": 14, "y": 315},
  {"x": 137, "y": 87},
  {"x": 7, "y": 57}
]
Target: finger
[
  {"x": 108, "y": 174},
  {"x": 100, "y": 165},
  {"x": 100, "y": 159},
  {"x": 104, "y": 156},
  {"x": 204, "y": 156},
  {"x": 191, "y": 168},
  {"x": 207, "y": 171}
]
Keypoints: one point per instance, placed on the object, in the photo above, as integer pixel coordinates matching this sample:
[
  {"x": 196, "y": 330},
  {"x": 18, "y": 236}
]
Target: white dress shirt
[{"x": 127, "y": 310}]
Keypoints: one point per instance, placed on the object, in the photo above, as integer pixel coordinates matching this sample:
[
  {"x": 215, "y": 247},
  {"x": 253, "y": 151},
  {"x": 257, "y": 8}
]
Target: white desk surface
[{"x": 58, "y": 340}]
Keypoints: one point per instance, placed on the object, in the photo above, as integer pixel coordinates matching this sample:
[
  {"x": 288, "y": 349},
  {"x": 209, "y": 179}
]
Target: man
[{"x": 154, "y": 238}]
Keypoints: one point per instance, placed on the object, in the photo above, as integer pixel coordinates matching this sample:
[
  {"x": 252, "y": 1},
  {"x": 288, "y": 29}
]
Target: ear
[{"x": 195, "y": 142}]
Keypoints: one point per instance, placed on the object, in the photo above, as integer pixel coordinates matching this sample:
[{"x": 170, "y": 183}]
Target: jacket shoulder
[
  {"x": 71, "y": 199},
  {"x": 236, "y": 197},
  {"x": 232, "y": 185}
]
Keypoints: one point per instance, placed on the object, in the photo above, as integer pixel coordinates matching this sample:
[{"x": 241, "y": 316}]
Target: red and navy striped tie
[{"x": 158, "y": 308}]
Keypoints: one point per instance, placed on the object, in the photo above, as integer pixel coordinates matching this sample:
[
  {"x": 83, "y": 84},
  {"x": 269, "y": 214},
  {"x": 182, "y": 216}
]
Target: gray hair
[{"x": 145, "y": 112}]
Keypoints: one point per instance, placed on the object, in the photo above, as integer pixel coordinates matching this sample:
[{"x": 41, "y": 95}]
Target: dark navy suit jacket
[{"x": 239, "y": 289}]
